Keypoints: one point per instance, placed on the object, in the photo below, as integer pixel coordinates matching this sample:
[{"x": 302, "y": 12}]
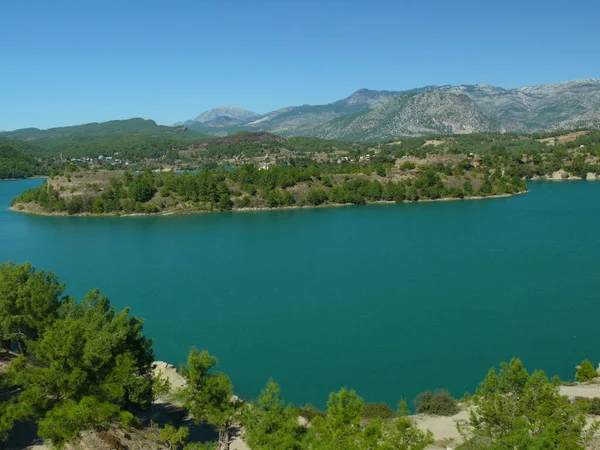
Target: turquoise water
[{"x": 389, "y": 300}]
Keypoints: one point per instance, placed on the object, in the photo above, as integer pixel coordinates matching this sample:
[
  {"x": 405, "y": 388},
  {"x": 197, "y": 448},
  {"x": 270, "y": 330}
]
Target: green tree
[
  {"x": 173, "y": 437},
  {"x": 340, "y": 427},
  {"x": 142, "y": 189},
  {"x": 585, "y": 371},
  {"x": 89, "y": 366},
  {"x": 208, "y": 394},
  {"x": 401, "y": 434},
  {"x": 316, "y": 196},
  {"x": 270, "y": 423},
  {"x": 513, "y": 409},
  {"x": 29, "y": 302}
]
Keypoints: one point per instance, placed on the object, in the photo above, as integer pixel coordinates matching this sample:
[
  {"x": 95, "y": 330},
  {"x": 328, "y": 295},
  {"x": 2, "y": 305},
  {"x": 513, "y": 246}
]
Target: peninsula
[{"x": 253, "y": 171}]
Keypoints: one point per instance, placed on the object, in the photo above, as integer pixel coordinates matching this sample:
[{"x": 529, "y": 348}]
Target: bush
[
  {"x": 585, "y": 371},
  {"x": 439, "y": 402},
  {"x": 377, "y": 411}
]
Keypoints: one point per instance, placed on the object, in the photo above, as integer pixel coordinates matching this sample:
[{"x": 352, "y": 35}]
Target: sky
[{"x": 72, "y": 62}]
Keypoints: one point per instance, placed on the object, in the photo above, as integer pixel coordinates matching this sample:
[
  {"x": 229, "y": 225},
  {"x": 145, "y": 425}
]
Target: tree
[
  {"x": 174, "y": 437},
  {"x": 513, "y": 409},
  {"x": 88, "y": 367},
  {"x": 340, "y": 427},
  {"x": 270, "y": 423},
  {"x": 401, "y": 434},
  {"x": 316, "y": 196},
  {"x": 29, "y": 301},
  {"x": 142, "y": 189},
  {"x": 585, "y": 371},
  {"x": 208, "y": 394}
]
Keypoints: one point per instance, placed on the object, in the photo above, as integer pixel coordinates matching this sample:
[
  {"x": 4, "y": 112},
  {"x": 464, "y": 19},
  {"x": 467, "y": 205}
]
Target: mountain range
[
  {"x": 376, "y": 115},
  {"x": 383, "y": 115}
]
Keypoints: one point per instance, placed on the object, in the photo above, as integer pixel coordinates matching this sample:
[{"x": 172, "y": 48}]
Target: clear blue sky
[{"x": 72, "y": 62}]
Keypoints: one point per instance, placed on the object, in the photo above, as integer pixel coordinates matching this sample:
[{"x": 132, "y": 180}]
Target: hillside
[
  {"x": 430, "y": 112},
  {"x": 16, "y": 164},
  {"x": 133, "y": 138},
  {"x": 371, "y": 114},
  {"x": 293, "y": 120},
  {"x": 111, "y": 128}
]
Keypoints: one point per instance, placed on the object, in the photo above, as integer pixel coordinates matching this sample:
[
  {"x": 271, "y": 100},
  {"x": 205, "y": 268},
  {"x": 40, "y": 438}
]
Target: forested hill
[
  {"x": 111, "y": 128},
  {"x": 132, "y": 138},
  {"x": 17, "y": 164}
]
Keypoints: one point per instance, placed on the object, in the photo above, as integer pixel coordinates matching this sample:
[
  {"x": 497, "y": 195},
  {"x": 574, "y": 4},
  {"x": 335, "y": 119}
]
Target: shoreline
[{"x": 279, "y": 208}]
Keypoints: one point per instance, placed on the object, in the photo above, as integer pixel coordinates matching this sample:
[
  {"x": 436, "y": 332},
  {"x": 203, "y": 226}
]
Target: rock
[
  {"x": 303, "y": 421},
  {"x": 559, "y": 175},
  {"x": 591, "y": 176}
]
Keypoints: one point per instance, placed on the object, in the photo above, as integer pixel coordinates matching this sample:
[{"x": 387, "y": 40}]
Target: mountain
[
  {"x": 374, "y": 115},
  {"x": 429, "y": 112},
  {"x": 298, "y": 120},
  {"x": 572, "y": 104},
  {"x": 231, "y": 112}
]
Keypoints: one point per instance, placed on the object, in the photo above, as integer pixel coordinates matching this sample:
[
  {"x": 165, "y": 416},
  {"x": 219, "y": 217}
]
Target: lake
[{"x": 390, "y": 300}]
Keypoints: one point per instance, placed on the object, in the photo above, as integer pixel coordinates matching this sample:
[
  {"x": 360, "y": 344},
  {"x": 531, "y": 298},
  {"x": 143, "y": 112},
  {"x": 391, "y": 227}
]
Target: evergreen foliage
[
  {"x": 78, "y": 367},
  {"x": 516, "y": 410},
  {"x": 585, "y": 371}
]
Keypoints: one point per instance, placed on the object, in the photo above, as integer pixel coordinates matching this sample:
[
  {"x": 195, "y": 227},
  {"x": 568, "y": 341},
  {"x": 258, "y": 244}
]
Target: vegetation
[
  {"x": 80, "y": 365},
  {"x": 311, "y": 172},
  {"x": 16, "y": 164},
  {"x": 516, "y": 410},
  {"x": 439, "y": 402},
  {"x": 208, "y": 394},
  {"x": 270, "y": 423},
  {"x": 378, "y": 411},
  {"x": 173, "y": 437},
  {"x": 585, "y": 371}
]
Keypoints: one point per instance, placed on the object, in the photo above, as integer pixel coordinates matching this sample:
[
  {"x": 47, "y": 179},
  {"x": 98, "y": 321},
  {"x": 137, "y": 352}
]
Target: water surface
[{"x": 389, "y": 300}]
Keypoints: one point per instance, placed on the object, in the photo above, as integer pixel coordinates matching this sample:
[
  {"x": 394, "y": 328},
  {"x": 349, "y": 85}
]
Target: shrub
[
  {"x": 593, "y": 406},
  {"x": 585, "y": 371},
  {"x": 439, "y": 402},
  {"x": 377, "y": 410}
]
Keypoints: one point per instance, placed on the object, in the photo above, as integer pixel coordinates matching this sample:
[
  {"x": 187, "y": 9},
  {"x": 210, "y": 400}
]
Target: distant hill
[
  {"x": 134, "y": 138},
  {"x": 17, "y": 164},
  {"x": 111, "y": 128}
]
